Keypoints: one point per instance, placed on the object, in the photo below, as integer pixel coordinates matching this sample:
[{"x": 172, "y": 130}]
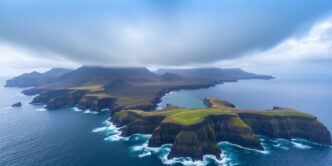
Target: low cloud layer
[
  {"x": 151, "y": 32},
  {"x": 313, "y": 48}
]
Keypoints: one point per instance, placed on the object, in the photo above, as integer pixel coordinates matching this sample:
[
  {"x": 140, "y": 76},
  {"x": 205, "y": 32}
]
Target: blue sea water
[{"x": 31, "y": 135}]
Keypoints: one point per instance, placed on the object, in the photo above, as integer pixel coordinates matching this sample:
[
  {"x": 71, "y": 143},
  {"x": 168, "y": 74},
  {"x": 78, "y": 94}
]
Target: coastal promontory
[{"x": 196, "y": 132}]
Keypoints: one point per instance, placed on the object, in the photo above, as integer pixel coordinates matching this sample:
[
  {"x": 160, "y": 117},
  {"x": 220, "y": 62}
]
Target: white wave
[
  {"x": 265, "y": 151},
  {"x": 108, "y": 127},
  {"x": 143, "y": 150},
  {"x": 113, "y": 133},
  {"x": 99, "y": 129},
  {"x": 281, "y": 143},
  {"x": 300, "y": 145},
  {"x": 144, "y": 154},
  {"x": 281, "y": 146},
  {"x": 77, "y": 109},
  {"x": 90, "y": 112},
  {"x": 41, "y": 109},
  {"x": 138, "y": 137},
  {"x": 187, "y": 161},
  {"x": 105, "y": 109},
  {"x": 306, "y": 142},
  {"x": 115, "y": 137}
]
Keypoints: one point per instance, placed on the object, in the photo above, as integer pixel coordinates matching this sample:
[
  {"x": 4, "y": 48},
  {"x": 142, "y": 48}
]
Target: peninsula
[{"x": 196, "y": 132}]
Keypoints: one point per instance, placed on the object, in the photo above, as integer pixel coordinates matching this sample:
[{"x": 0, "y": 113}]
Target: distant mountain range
[
  {"x": 91, "y": 75},
  {"x": 215, "y": 73},
  {"x": 35, "y": 78}
]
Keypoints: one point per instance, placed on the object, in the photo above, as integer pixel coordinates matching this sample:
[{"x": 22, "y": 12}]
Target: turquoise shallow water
[{"x": 33, "y": 136}]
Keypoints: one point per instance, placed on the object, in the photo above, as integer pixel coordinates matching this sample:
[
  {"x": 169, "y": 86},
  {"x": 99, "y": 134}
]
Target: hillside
[
  {"x": 217, "y": 74},
  {"x": 117, "y": 88},
  {"x": 111, "y": 88},
  {"x": 36, "y": 79},
  {"x": 91, "y": 75}
]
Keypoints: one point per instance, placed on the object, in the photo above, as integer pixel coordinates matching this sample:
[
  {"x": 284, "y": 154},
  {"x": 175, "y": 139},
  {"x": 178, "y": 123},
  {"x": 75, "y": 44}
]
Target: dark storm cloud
[{"x": 158, "y": 32}]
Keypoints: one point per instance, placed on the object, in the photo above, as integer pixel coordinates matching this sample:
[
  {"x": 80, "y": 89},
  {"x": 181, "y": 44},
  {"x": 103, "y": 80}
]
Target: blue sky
[{"x": 260, "y": 34}]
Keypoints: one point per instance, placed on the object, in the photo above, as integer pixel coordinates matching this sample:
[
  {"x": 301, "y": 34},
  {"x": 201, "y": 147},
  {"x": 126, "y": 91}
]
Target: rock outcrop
[
  {"x": 18, "y": 104},
  {"x": 56, "y": 99},
  {"x": 212, "y": 102},
  {"x": 288, "y": 127}
]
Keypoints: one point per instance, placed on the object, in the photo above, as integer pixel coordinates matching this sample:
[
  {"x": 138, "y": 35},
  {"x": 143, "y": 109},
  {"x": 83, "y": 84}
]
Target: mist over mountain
[{"x": 232, "y": 74}]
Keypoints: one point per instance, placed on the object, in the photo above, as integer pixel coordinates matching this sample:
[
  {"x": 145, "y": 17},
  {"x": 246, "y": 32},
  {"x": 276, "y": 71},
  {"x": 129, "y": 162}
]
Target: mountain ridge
[{"x": 36, "y": 78}]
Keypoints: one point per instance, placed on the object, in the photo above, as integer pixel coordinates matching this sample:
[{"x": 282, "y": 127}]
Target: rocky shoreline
[{"x": 63, "y": 98}]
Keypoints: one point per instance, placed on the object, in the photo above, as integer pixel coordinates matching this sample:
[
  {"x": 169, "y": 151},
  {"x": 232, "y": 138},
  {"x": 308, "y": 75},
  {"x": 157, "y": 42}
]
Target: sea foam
[
  {"x": 77, "y": 109},
  {"x": 90, "y": 112}
]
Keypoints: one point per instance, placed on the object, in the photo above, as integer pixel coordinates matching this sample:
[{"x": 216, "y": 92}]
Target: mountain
[
  {"x": 217, "y": 74},
  {"x": 35, "y": 78},
  {"x": 93, "y": 75},
  {"x": 170, "y": 77}
]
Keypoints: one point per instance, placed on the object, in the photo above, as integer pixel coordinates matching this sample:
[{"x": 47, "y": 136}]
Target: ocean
[{"x": 33, "y": 136}]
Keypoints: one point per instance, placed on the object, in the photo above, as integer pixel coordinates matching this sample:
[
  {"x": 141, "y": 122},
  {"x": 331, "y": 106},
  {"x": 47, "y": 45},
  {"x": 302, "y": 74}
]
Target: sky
[{"x": 259, "y": 35}]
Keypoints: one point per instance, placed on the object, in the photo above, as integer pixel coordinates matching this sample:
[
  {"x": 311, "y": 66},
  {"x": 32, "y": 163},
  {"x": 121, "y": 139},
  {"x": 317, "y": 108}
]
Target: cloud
[
  {"x": 314, "y": 48},
  {"x": 16, "y": 60},
  {"x": 152, "y": 32}
]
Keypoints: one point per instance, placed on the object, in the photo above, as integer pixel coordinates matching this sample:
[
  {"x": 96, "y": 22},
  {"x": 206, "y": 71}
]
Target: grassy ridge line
[
  {"x": 280, "y": 112},
  {"x": 196, "y": 115}
]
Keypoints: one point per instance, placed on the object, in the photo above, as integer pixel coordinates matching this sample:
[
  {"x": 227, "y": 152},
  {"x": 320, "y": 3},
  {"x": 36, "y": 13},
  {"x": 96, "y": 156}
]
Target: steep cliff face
[
  {"x": 195, "y": 141},
  {"x": 288, "y": 127},
  {"x": 59, "y": 98},
  {"x": 69, "y": 99},
  {"x": 192, "y": 140},
  {"x": 234, "y": 130},
  {"x": 165, "y": 133},
  {"x": 95, "y": 103},
  {"x": 141, "y": 126},
  {"x": 56, "y": 99}
]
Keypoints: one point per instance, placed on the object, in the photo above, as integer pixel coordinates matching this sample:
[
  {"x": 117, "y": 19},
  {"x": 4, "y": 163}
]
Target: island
[{"x": 197, "y": 131}]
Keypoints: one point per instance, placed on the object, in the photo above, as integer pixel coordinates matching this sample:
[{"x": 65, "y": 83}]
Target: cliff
[
  {"x": 276, "y": 125},
  {"x": 195, "y": 132},
  {"x": 212, "y": 102}
]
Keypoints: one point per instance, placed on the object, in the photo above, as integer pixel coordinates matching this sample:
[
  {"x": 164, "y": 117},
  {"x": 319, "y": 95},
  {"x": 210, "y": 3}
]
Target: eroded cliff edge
[{"x": 196, "y": 132}]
